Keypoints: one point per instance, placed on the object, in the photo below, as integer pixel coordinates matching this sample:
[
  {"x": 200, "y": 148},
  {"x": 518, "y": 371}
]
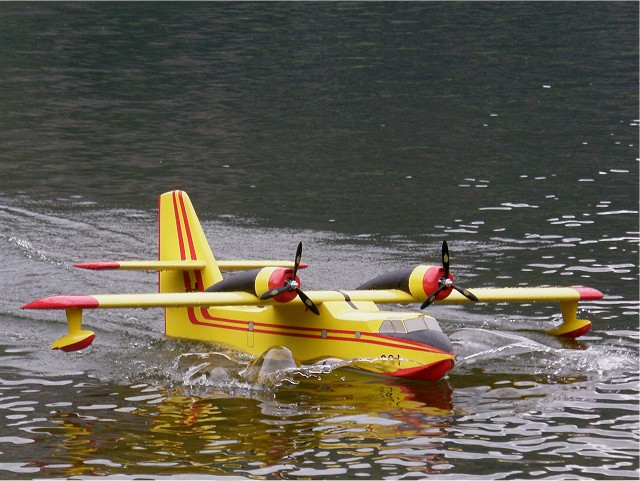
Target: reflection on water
[
  {"x": 338, "y": 424},
  {"x": 313, "y": 427}
]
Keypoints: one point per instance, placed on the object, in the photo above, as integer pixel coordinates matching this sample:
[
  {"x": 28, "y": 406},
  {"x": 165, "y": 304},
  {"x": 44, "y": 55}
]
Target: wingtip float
[{"x": 264, "y": 306}]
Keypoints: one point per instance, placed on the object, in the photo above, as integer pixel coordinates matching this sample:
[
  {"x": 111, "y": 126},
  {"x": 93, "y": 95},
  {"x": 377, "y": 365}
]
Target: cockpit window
[
  {"x": 391, "y": 326},
  {"x": 416, "y": 324}
]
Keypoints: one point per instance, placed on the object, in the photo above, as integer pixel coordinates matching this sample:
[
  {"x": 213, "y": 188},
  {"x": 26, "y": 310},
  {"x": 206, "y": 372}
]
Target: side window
[
  {"x": 386, "y": 327},
  {"x": 399, "y": 325}
]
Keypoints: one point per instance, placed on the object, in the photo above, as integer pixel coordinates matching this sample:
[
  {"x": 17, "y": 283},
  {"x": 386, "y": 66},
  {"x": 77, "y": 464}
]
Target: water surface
[{"x": 370, "y": 132}]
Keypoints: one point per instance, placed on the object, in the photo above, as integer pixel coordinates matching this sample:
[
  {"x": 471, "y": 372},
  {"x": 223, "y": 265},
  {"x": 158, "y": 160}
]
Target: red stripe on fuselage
[{"x": 309, "y": 332}]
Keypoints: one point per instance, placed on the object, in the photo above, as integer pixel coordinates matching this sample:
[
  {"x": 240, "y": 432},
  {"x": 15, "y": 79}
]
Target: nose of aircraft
[{"x": 430, "y": 337}]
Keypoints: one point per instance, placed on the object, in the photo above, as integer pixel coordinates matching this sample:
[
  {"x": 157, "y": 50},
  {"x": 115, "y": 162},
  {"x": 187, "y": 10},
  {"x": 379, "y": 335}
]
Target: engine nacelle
[
  {"x": 257, "y": 282},
  {"x": 420, "y": 281}
]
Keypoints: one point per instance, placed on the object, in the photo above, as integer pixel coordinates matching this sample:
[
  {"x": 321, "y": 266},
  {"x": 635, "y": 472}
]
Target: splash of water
[{"x": 514, "y": 353}]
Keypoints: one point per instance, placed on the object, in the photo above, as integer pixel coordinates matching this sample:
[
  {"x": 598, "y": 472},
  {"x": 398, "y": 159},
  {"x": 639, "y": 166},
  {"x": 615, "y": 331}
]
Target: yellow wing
[
  {"x": 77, "y": 338},
  {"x": 383, "y": 296},
  {"x": 527, "y": 294}
]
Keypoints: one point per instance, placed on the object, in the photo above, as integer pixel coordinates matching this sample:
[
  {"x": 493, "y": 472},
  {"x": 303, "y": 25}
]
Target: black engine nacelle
[
  {"x": 420, "y": 281},
  {"x": 257, "y": 282}
]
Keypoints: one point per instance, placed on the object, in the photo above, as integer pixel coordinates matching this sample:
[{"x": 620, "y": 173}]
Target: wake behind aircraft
[{"x": 264, "y": 307}]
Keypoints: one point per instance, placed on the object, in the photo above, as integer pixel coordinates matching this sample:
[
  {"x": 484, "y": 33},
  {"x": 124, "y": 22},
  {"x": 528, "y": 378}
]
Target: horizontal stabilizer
[
  {"x": 249, "y": 265},
  {"x": 186, "y": 265},
  {"x": 143, "y": 265}
]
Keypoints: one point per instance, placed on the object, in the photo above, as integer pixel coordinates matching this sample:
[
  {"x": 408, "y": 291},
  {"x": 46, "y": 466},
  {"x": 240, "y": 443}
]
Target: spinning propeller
[
  {"x": 291, "y": 284},
  {"x": 445, "y": 282}
]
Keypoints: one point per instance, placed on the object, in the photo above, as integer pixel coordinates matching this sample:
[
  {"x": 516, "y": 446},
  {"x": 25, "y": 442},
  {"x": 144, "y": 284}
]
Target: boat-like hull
[{"x": 351, "y": 335}]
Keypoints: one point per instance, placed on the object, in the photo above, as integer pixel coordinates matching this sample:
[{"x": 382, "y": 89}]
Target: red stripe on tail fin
[{"x": 181, "y": 238}]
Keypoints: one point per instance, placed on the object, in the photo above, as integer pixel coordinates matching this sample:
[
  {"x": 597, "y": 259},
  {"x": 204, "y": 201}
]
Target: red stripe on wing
[
  {"x": 64, "y": 302},
  {"x": 588, "y": 293}
]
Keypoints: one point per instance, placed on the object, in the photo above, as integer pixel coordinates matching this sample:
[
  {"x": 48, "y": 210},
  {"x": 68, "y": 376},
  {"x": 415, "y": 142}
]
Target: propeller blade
[
  {"x": 296, "y": 262},
  {"x": 432, "y": 297},
  {"x": 445, "y": 259},
  {"x": 274, "y": 292},
  {"x": 308, "y": 302},
  {"x": 468, "y": 294}
]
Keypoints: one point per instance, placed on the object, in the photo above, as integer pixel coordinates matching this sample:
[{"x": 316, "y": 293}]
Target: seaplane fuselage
[{"x": 391, "y": 343}]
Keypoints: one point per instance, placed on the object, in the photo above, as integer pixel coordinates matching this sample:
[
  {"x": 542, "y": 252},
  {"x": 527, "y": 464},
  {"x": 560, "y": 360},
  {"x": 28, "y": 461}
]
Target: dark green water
[{"x": 369, "y": 131}]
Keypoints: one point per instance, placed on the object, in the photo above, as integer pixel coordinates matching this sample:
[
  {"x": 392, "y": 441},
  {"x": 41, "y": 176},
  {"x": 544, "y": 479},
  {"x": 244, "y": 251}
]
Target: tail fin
[{"x": 180, "y": 237}]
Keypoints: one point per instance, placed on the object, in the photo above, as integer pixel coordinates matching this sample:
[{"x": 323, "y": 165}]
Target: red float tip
[
  {"x": 577, "y": 333},
  {"x": 78, "y": 346}
]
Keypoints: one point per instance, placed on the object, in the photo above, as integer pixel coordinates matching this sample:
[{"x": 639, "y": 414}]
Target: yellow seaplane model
[{"x": 263, "y": 306}]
